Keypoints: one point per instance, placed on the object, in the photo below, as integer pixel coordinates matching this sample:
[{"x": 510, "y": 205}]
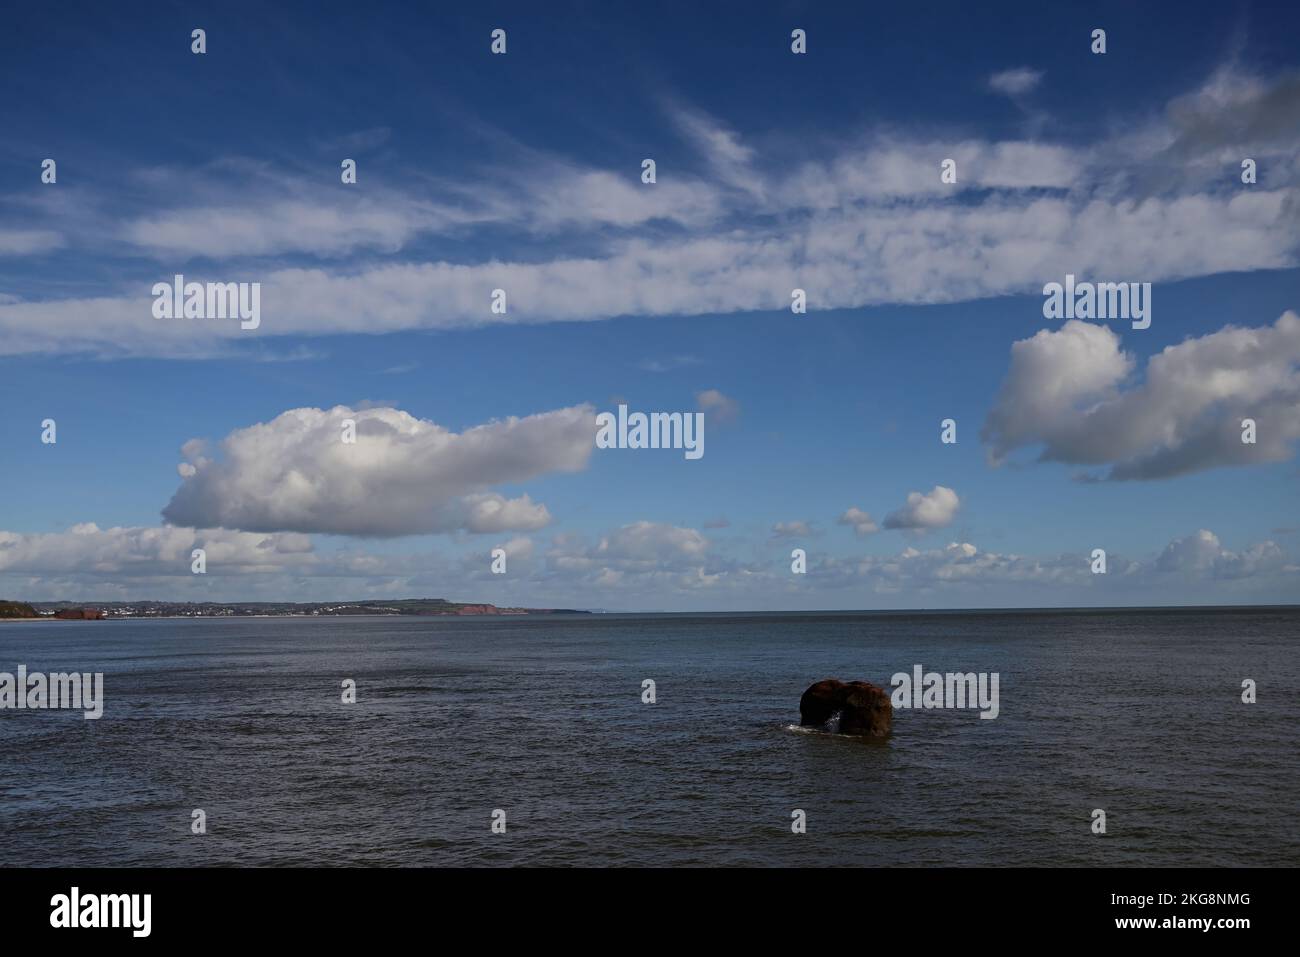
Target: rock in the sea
[{"x": 862, "y": 707}]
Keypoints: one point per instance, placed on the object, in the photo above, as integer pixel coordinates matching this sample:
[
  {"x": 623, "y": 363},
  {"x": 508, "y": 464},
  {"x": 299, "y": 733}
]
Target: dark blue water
[{"x": 1139, "y": 714}]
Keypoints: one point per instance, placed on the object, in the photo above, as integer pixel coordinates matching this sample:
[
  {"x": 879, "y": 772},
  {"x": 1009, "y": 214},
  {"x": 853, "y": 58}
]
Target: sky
[{"x": 774, "y": 171}]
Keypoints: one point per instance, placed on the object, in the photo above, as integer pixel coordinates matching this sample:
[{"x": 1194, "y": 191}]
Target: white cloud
[
  {"x": 720, "y": 408},
  {"x": 729, "y": 159},
  {"x": 867, "y": 225},
  {"x": 651, "y": 542},
  {"x": 119, "y": 552},
  {"x": 320, "y": 228},
  {"x": 573, "y": 196},
  {"x": 642, "y": 563},
  {"x": 1016, "y": 82},
  {"x": 88, "y": 563},
  {"x": 669, "y": 364},
  {"x": 27, "y": 242},
  {"x": 276, "y": 215},
  {"x": 1070, "y": 391},
  {"x": 908, "y": 255},
  {"x": 402, "y": 476},
  {"x": 933, "y": 509},
  {"x": 861, "y": 522},
  {"x": 887, "y": 171},
  {"x": 653, "y": 556},
  {"x": 1203, "y": 555},
  {"x": 795, "y": 529},
  {"x": 520, "y": 547}
]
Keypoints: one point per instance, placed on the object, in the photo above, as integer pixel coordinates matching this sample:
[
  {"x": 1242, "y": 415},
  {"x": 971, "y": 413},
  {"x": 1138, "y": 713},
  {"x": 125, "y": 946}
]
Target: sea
[{"x": 542, "y": 726}]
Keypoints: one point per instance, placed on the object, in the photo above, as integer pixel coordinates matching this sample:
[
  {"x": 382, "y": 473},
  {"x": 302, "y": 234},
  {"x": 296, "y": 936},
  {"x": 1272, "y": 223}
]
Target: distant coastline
[
  {"x": 436, "y": 607},
  {"x": 413, "y": 607}
]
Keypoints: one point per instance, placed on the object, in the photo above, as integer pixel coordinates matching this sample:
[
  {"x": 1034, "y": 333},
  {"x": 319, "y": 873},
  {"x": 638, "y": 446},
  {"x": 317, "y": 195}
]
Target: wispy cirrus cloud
[
  {"x": 27, "y": 242},
  {"x": 1015, "y": 82},
  {"x": 669, "y": 364},
  {"x": 867, "y": 224}
]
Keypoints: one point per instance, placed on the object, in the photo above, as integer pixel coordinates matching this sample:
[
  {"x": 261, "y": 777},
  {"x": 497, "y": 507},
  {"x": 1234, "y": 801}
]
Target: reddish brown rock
[
  {"x": 862, "y": 708},
  {"x": 80, "y": 614}
]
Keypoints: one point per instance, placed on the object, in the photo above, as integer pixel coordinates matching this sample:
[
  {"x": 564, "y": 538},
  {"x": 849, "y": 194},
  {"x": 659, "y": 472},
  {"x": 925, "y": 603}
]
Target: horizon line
[{"x": 1292, "y": 606}]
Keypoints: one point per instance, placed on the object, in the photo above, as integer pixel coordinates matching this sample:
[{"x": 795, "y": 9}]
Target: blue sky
[{"x": 774, "y": 170}]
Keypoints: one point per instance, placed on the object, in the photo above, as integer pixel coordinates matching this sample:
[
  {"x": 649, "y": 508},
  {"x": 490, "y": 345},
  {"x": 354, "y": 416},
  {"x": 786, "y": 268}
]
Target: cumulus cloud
[
  {"x": 963, "y": 568},
  {"x": 402, "y": 476},
  {"x": 958, "y": 564},
  {"x": 1202, "y": 554},
  {"x": 861, "y": 522},
  {"x": 164, "y": 551},
  {"x": 518, "y": 547},
  {"x": 639, "y": 563},
  {"x": 89, "y": 563},
  {"x": 933, "y": 509},
  {"x": 1071, "y": 391},
  {"x": 655, "y": 561},
  {"x": 791, "y": 530},
  {"x": 1016, "y": 82},
  {"x": 651, "y": 542},
  {"x": 656, "y": 558}
]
